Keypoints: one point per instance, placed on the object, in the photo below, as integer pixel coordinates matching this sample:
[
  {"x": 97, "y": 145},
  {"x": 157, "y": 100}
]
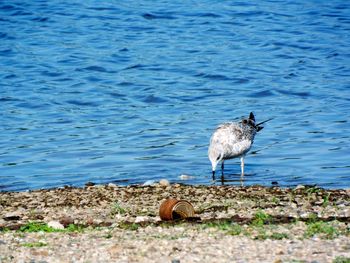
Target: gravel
[{"x": 121, "y": 224}]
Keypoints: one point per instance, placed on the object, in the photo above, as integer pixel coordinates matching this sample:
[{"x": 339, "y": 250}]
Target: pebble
[
  {"x": 12, "y": 216},
  {"x": 89, "y": 184},
  {"x": 299, "y": 186},
  {"x": 190, "y": 242},
  {"x": 66, "y": 220},
  {"x": 164, "y": 182},
  {"x": 55, "y": 225},
  {"x": 185, "y": 177},
  {"x": 140, "y": 219},
  {"x": 149, "y": 182},
  {"x": 2, "y": 223}
]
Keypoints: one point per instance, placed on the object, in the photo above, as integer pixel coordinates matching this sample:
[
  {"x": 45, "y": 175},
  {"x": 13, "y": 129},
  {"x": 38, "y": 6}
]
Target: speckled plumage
[{"x": 231, "y": 140}]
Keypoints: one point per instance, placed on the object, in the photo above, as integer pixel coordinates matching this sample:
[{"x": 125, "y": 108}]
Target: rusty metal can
[{"x": 172, "y": 209}]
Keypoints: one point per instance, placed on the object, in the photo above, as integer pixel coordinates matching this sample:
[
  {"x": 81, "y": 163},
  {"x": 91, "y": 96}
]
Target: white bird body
[
  {"x": 227, "y": 142},
  {"x": 231, "y": 140}
]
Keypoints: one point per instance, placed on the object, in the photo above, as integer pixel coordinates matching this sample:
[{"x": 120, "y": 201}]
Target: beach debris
[{"x": 172, "y": 209}]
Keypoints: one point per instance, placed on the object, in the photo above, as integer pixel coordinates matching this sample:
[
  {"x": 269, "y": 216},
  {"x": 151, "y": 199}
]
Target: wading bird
[{"x": 231, "y": 140}]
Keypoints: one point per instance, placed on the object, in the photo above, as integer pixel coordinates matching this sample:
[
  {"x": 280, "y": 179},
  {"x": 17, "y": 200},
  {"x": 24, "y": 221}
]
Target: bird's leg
[
  {"x": 242, "y": 166},
  {"x": 213, "y": 175},
  {"x": 222, "y": 171}
]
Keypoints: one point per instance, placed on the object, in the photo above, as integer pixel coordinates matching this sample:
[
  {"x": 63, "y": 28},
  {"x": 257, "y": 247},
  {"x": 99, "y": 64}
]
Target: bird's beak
[
  {"x": 264, "y": 122},
  {"x": 258, "y": 127}
]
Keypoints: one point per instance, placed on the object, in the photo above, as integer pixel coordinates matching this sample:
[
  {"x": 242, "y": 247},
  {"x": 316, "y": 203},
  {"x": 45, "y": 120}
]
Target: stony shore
[{"x": 110, "y": 223}]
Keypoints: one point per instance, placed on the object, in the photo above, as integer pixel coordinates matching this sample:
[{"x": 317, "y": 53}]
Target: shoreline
[{"x": 111, "y": 222}]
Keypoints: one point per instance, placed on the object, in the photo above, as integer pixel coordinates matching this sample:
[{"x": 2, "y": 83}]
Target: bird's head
[{"x": 250, "y": 122}]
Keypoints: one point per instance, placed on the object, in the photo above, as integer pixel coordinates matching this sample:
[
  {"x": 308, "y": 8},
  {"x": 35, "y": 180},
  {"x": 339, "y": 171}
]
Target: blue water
[{"x": 130, "y": 91}]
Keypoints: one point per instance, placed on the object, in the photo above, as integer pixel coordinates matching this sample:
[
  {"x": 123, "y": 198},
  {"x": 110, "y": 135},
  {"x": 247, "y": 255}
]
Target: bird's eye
[{"x": 245, "y": 121}]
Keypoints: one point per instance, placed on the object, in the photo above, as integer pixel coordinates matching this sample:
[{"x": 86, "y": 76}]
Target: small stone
[
  {"x": 112, "y": 185},
  {"x": 149, "y": 182},
  {"x": 319, "y": 202},
  {"x": 164, "y": 182},
  {"x": 185, "y": 177},
  {"x": 66, "y": 220},
  {"x": 115, "y": 250},
  {"x": 37, "y": 215},
  {"x": 299, "y": 187},
  {"x": 140, "y": 219},
  {"x": 97, "y": 222},
  {"x": 41, "y": 253},
  {"x": 14, "y": 226},
  {"x": 89, "y": 184},
  {"x": 12, "y": 216},
  {"x": 2, "y": 223},
  {"x": 90, "y": 221},
  {"x": 55, "y": 225}
]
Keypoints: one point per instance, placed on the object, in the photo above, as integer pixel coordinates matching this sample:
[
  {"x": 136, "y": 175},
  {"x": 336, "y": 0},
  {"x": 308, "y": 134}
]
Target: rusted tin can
[{"x": 172, "y": 209}]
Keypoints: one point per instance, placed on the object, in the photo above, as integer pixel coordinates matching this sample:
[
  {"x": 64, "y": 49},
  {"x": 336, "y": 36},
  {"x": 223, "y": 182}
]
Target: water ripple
[{"x": 112, "y": 93}]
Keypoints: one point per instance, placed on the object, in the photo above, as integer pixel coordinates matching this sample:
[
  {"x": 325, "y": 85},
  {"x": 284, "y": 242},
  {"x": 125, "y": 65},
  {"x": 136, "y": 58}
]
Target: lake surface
[{"x": 126, "y": 92}]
